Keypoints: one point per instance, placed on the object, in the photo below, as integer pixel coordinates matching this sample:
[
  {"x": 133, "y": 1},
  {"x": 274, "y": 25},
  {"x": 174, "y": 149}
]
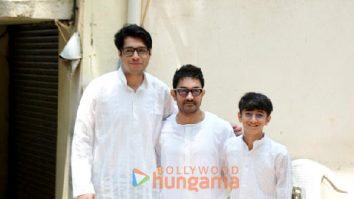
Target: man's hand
[
  {"x": 237, "y": 129},
  {"x": 87, "y": 196}
]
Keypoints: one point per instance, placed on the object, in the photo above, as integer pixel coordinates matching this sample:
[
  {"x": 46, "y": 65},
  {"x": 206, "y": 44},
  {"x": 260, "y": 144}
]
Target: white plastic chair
[{"x": 308, "y": 175}]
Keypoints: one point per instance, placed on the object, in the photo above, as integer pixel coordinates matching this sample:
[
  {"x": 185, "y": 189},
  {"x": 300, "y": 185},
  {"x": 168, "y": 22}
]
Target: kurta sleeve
[
  {"x": 82, "y": 145},
  {"x": 223, "y": 159},
  {"x": 158, "y": 153},
  {"x": 168, "y": 109},
  {"x": 226, "y": 133},
  {"x": 170, "y": 106},
  {"x": 283, "y": 176}
]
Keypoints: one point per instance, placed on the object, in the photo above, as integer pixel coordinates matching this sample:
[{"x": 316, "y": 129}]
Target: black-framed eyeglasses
[
  {"x": 183, "y": 92},
  {"x": 129, "y": 51}
]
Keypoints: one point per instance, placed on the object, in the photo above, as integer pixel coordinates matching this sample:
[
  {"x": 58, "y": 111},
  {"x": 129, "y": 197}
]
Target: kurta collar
[
  {"x": 256, "y": 143},
  {"x": 123, "y": 80},
  {"x": 191, "y": 125}
]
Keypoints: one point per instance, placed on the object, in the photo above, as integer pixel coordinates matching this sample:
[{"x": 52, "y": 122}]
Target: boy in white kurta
[
  {"x": 191, "y": 143},
  {"x": 264, "y": 165}
]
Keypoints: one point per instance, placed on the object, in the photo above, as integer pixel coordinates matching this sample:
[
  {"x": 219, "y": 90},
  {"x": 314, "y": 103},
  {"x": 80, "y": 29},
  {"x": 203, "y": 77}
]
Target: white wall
[{"x": 299, "y": 53}]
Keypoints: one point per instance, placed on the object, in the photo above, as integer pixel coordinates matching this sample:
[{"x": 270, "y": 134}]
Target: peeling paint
[{"x": 48, "y": 9}]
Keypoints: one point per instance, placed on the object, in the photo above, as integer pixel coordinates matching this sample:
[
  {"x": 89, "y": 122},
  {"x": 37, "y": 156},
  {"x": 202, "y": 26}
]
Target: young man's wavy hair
[{"x": 135, "y": 31}]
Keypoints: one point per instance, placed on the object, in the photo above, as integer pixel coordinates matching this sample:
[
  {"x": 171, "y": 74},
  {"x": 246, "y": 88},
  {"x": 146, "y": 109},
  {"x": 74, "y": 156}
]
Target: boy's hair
[
  {"x": 188, "y": 70},
  {"x": 135, "y": 31},
  {"x": 255, "y": 101}
]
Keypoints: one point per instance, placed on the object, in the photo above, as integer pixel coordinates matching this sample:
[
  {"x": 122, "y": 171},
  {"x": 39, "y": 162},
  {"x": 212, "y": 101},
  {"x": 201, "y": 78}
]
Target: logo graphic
[
  {"x": 193, "y": 178},
  {"x": 139, "y": 177}
]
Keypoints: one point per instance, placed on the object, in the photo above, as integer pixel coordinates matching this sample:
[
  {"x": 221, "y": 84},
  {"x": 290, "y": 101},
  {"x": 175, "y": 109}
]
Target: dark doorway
[{"x": 33, "y": 103}]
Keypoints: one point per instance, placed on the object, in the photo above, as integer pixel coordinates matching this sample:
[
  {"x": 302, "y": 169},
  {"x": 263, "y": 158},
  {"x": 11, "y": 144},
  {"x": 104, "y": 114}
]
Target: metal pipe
[{"x": 134, "y": 8}]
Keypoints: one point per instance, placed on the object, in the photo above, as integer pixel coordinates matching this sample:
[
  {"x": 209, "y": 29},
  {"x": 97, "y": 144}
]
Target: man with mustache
[{"x": 191, "y": 138}]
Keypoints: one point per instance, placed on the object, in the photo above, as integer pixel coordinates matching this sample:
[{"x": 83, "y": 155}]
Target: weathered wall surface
[{"x": 37, "y": 9}]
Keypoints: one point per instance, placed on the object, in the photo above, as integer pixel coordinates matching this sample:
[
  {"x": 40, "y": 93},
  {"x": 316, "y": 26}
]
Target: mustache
[{"x": 189, "y": 102}]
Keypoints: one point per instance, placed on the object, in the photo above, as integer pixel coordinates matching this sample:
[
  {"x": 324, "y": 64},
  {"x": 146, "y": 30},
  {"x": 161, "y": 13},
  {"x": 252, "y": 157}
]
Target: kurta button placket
[
  {"x": 134, "y": 105},
  {"x": 187, "y": 160}
]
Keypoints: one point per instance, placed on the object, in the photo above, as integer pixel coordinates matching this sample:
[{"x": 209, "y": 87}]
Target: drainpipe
[{"x": 134, "y": 10}]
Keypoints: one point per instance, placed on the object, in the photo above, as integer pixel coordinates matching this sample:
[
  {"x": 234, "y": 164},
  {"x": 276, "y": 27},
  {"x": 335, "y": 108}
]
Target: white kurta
[
  {"x": 184, "y": 147},
  {"x": 116, "y": 131},
  {"x": 264, "y": 171}
]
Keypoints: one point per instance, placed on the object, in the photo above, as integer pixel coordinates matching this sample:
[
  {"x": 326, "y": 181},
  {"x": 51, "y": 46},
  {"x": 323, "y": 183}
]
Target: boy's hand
[{"x": 237, "y": 129}]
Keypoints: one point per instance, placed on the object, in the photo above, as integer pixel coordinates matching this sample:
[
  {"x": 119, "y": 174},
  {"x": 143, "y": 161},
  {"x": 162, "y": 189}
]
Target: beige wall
[
  {"x": 68, "y": 96},
  {"x": 45, "y": 9},
  {"x": 4, "y": 77},
  {"x": 299, "y": 53},
  {"x": 98, "y": 24}
]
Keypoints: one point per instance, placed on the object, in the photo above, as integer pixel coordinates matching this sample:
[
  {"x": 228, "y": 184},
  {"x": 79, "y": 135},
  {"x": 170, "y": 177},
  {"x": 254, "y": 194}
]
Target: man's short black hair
[
  {"x": 188, "y": 70},
  {"x": 135, "y": 31},
  {"x": 255, "y": 101}
]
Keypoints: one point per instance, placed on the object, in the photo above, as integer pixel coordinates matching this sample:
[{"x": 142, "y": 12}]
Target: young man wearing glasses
[
  {"x": 191, "y": 143},
  {"x": 264, "y": 165},
  {"x": 118, "y": 124}
]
